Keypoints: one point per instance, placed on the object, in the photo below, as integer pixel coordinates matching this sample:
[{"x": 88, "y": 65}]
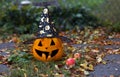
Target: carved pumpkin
[{"x": 47, "y": 49}]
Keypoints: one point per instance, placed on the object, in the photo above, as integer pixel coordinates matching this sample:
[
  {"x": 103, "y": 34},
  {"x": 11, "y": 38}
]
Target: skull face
[{"x": 47, "y": 49}]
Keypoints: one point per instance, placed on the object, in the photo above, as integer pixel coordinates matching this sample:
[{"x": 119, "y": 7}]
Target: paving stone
[
  {"x": 111, "y": 68},
  {"x": 4, "y": 69},
  {"x": 7, "y": 45}
]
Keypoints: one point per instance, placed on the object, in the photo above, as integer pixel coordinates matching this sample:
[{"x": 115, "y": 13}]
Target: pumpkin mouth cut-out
[{"x": 54, "y": 52}]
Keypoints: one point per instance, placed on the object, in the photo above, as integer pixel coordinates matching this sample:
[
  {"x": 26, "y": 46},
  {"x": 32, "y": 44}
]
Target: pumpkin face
[{"x": 47, "y": 49}]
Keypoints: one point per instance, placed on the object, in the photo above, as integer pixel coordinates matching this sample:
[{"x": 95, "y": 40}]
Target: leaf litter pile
[{"x": 84, "y": 49}]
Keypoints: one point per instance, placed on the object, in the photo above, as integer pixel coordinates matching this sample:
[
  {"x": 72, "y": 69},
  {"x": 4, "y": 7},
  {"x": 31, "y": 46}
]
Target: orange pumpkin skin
[{"x": 47, "y": 49}]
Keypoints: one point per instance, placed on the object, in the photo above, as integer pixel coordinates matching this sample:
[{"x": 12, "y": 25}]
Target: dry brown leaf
[
  {"x": 112, "y": 76},
  {"x": 59, "y": 75},
  {"x": 95, "y": 50},
  {"x": 89, "y": 58},
  {"x": 35, "y": 69},
  {"x": 56, "y": 66},
  {"x": 87, "y": 66},
  {"x": 25, "y": 75},
  {"x": 90, "y": 67},
  {"x": 43, "y": 75},
  {"x": 99, "y": 59},
  {"x": 86, "y": 72}
]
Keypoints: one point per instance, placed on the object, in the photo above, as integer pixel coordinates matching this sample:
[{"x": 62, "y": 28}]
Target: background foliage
[
  {"x": 68, "y": 14},
  {"x": 19, "y": 19},
  {"x": 68, "y": 18}
]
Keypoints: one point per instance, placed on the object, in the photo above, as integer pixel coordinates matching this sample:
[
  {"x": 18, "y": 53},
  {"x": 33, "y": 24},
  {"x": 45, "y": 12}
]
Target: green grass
[{"x": 33, "y": 69}]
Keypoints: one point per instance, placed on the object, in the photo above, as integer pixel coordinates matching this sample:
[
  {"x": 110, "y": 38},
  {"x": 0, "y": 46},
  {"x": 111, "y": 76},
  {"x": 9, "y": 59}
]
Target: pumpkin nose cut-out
[
  {"x": 46, "y": 48},
  {"x": 40, "y": 44}
]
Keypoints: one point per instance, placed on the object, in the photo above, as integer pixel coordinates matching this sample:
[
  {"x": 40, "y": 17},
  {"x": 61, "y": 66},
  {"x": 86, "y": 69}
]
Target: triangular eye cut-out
[
  {"x": 52, "y": 43},
  {"x": 40, "y": 44}
]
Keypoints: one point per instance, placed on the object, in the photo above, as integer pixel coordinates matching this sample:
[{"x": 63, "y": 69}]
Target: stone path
[
  {"x": 7, "y": 45},
  {"x": 111, "y": 68},
  {"x": 4, "y": 68}
]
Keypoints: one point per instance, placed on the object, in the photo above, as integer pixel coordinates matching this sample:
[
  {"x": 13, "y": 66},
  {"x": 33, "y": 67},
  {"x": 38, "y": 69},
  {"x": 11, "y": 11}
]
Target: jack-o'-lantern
[
  {"x": 48, "y": 45},
  {"x": 48, "y": 49}
]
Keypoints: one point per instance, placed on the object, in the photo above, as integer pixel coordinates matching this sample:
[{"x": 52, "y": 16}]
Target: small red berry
[{"x": 70, "y": 62}]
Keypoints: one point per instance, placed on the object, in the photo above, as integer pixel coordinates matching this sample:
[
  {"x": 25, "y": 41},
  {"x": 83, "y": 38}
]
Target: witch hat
[{"x": 46, "y": 27}]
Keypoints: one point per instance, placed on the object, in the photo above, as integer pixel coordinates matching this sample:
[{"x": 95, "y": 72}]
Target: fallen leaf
[
  {"x": 89, "y": 58},
  {"x": 43, "y": 75},
  {"x": 59, "y": 75},
  {"x": 99, "y": 59},
  {"x": 87, "y": 66},
  {"x": 112, "y": 76},
  {"x": 0, "y": 62},
  {"x": 25, "y": 75},
  {"x": 56, "y": 66},
  {"x": 95, "y": 50},
  {"x": 86, "y": 73},
  {"x": 91, "y": 67},
  {"x": 35, "y": 69}
]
